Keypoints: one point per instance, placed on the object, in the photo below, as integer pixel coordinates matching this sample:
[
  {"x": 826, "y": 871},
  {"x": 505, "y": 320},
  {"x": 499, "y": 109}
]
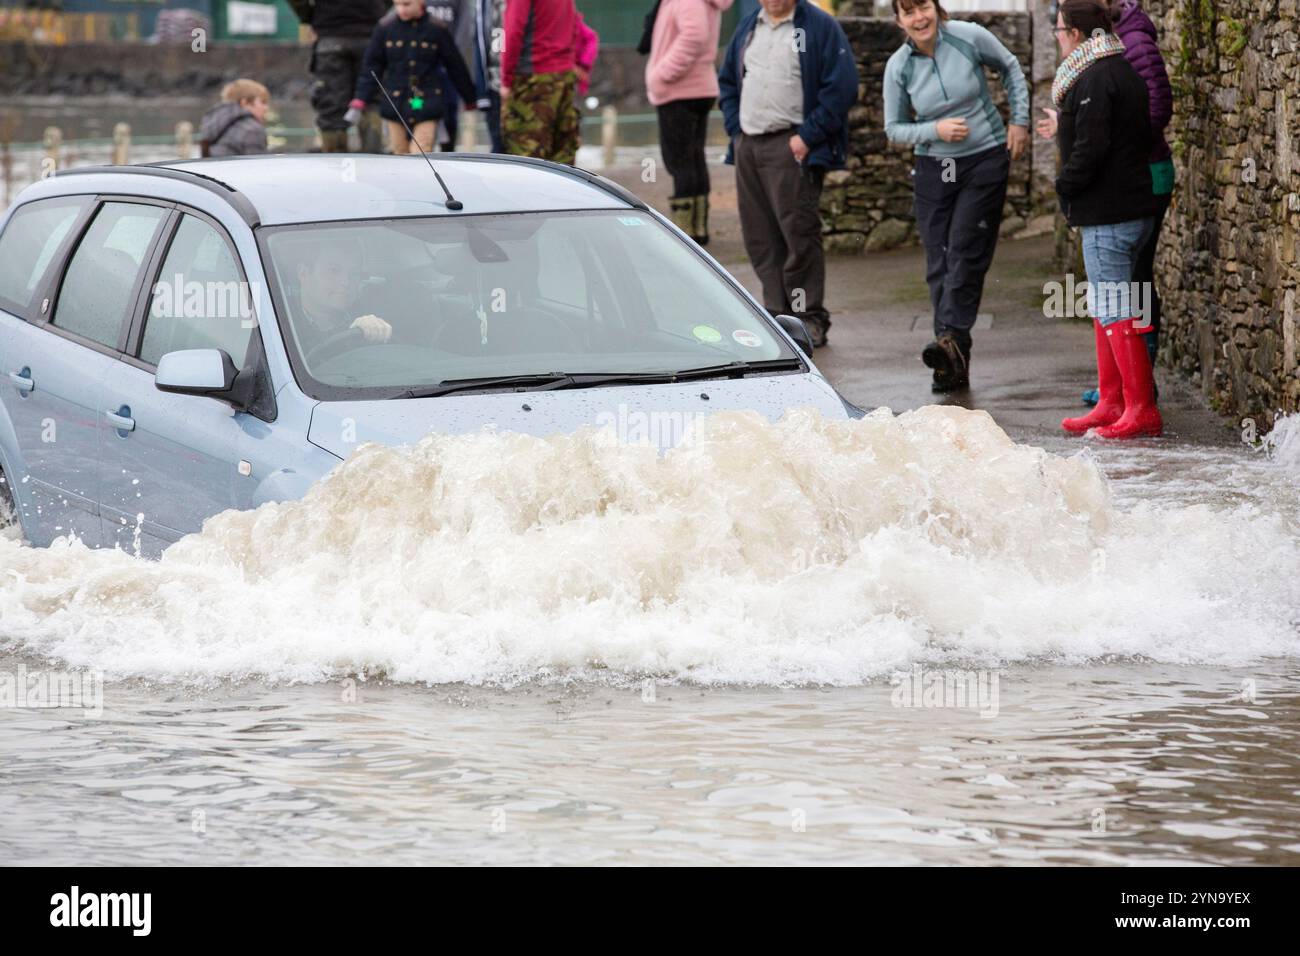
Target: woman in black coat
[{"x": 1103, "y": 129}]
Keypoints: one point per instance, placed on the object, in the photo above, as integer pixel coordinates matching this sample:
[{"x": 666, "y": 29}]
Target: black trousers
[
  {"x": 958, "y": 206},
  {"x": 335, "y": 65},
  {"x": 780, "y": 217},
  {"x": 683, "y": 129},
  {"x": 336, "y": 62},
  {"x": 1145, "y": 270},
  {"x": 494, "y": 122}
]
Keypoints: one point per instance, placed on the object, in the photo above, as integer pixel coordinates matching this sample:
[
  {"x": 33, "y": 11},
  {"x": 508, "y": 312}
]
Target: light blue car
[{"x": 182, "y": 339}]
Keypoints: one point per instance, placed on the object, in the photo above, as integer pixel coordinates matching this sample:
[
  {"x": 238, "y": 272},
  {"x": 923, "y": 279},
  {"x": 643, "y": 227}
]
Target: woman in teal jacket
[{"x": 937, "y": 100}]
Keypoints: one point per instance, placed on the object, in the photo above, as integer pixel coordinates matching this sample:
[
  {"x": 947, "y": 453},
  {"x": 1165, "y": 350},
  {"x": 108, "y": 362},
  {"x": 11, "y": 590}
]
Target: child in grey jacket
[{"x": 237, "y": 125}]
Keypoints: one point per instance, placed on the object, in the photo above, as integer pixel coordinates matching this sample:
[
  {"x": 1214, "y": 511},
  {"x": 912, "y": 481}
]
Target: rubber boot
[
  {"x": 371, "y": 131},
  {"x": 1141, "y": 417},
  {"x": 333, "y": 141},
  {"x": 700, "y": 219},
  {"x": 1110, "y": 388},
  {"x": 682, "y": 213}
]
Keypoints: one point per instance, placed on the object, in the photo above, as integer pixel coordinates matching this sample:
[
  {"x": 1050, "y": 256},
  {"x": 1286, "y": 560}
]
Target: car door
[
  {"x": 170, "y": 461},
  {"x": 56, "y": 365}
]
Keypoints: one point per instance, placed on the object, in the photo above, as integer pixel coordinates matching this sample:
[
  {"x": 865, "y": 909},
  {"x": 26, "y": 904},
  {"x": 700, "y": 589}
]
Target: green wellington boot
[{"x": 700, "y": 219}]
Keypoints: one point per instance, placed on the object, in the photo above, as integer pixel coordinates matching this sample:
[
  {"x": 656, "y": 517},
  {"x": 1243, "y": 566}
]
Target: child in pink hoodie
[
  {"x": 586, "y": 44},
  {"x": 681, "y": 81}
]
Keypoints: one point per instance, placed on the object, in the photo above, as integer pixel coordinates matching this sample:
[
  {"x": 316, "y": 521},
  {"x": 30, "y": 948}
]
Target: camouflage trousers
[{"x": 539, "y": 117}]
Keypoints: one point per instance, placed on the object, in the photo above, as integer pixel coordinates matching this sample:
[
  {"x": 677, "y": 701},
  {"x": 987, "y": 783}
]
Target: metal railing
[{"x": 22, "y": 163}]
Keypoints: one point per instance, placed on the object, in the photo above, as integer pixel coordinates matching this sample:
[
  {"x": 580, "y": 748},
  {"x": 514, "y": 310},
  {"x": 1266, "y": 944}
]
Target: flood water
[
  {"x": 576, "y": 652},
  {"x": 1108, "y": 763},
  {"x": 572, "y": 651}
]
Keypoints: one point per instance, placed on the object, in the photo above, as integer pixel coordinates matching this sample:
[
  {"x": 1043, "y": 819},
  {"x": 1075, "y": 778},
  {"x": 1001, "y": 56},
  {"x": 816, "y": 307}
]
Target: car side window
[
  {"x": 95, "y": 299},
  {"x": 200, "y": 301},
  {"x": 33, "y": 235}
]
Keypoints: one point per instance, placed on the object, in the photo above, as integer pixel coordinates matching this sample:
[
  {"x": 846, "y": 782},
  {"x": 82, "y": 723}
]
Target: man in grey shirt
[
  {"x": 787, "y": 84},
  {"x": 772, "y": 98}
]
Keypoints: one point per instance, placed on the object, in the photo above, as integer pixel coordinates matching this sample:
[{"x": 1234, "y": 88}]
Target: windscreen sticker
[
  {"x": 631, "y": 220},
  {"x": 747, "y": 338},
  {"x": 706, "y": 333}
]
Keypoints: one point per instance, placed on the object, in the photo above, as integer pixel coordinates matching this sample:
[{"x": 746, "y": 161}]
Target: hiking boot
[
  {"x": 817, "y": 327},
  {"x": 950, "y": 363}
]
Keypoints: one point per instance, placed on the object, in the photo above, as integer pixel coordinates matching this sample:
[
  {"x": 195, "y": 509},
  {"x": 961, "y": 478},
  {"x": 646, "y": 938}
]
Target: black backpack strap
[{"x": 647, "y": 34}]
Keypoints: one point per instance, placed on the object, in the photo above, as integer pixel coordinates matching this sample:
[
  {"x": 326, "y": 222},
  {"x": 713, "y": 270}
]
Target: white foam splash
[
  {"x": 806, "y": 551},
  {"x": 1282, "y": 444}
]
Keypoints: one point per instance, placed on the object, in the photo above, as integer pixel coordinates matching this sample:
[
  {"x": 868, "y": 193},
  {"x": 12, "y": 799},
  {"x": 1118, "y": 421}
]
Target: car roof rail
[
  {"x": 600, "y": 182},
  {"x": 595, "y": 179},
  {"x": 237, "y": 200}
]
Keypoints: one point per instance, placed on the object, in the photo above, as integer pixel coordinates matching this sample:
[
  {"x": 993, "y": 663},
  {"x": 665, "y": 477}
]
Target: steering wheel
[{"x": 336, "y": 344}]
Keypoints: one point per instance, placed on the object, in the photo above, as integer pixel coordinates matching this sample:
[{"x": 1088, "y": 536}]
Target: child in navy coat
[{"x": 409, "y": 53}]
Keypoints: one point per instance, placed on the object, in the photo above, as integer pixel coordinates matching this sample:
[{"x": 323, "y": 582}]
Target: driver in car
[{"x": 328, "y": 285}]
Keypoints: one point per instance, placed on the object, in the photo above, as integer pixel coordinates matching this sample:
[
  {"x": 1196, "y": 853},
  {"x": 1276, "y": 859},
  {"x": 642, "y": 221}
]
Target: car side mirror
[
  {"x": 795, "y": 328},
  {"x": 196, "y": 372}
]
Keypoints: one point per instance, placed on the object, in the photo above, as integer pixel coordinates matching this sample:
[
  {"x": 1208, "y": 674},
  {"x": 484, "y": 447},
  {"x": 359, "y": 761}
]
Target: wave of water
[
  {"x": 1282, "y": 444},
  {"x": 808, "y": 551}
]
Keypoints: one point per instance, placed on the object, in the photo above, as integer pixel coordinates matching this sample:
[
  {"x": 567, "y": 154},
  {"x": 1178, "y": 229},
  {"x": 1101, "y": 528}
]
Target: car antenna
[{"x": 454, "y": 204}]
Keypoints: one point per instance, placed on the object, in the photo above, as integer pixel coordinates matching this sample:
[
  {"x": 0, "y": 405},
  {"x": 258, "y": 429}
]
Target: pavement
[{"x": 1027, "y": 370}]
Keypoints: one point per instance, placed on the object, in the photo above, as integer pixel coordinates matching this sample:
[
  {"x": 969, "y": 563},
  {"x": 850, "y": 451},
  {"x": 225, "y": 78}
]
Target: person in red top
[{"x": 538, "y": 115}]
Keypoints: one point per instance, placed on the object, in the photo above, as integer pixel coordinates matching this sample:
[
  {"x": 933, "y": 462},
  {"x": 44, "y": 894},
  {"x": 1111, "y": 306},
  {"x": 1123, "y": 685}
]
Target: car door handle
[
  {"x": 23, "y": 380},
  {"x": 121, "y": 419}
]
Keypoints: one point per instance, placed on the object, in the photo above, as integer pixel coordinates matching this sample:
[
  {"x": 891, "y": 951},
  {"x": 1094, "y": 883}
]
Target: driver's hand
[{"x": 373, "y": 328}]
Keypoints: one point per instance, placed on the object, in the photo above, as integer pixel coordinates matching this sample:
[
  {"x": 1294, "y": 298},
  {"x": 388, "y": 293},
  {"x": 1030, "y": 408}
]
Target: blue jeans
[{"x": 1110, "y": 254}]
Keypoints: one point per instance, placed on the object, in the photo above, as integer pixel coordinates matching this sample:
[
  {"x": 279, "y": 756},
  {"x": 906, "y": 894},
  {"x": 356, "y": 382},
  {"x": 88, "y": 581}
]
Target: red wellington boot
[
  {"x": 1110, "y": 406},
  {"x": 1141, "y": 417}
]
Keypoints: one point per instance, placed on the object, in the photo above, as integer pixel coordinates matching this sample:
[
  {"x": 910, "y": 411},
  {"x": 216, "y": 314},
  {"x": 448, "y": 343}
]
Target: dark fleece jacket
[
  {"x": 1105, "y": 138},
  {"x": 1135, "y": 28}
]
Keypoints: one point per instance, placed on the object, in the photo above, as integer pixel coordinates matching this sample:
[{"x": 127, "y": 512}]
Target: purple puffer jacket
[{"x": 1135, "y": 28}]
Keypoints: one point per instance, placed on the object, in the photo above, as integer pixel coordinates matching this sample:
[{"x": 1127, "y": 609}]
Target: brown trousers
[{"x": 780, "y": 218}]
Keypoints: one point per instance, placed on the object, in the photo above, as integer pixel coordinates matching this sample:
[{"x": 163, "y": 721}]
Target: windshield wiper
[
  {"x": 730, "y": 370},
  {"x": 531, "y": 382},
  {"x": 562, "y": 380}
]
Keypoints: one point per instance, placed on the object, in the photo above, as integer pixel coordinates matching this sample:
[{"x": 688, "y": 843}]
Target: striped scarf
[{"x": 1085, "y": 55}]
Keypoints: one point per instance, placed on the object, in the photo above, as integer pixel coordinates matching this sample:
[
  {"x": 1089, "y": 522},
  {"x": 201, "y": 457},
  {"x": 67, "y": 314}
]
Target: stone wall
[
  {"x": 868, "y": 206},
  {"x": 1228, "y": 267}
]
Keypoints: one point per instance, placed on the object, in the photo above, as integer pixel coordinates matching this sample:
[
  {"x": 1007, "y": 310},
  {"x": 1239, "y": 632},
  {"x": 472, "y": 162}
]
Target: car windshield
[{"x": 370, "y": 309}]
